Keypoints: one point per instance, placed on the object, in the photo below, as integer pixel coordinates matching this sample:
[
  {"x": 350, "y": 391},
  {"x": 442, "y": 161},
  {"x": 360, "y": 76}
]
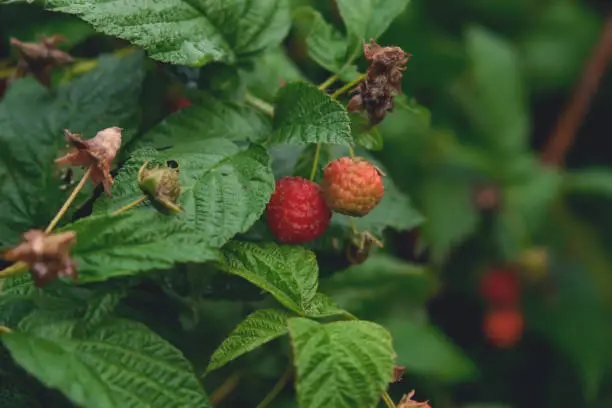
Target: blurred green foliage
[{"x": 485, "y": 84}]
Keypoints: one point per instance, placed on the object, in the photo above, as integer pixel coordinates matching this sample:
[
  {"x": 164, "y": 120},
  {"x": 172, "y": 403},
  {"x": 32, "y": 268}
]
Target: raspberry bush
[{"x": 241, "y": 203}]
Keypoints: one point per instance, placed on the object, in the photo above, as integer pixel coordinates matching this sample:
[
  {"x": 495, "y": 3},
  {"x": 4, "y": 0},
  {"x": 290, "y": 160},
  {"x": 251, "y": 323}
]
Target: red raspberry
[
  {"x": 500, "y": 287},
  {"x": 352, "y": 186},
  {"x": 179, "y": 104},
  {"x": 297, "y": 211},
  {"x": 504, "y": 327}
]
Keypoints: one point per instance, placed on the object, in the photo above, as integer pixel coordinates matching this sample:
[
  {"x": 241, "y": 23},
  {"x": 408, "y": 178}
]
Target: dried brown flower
[
  {"x": 97, "y": 153},
  {"x": 47, "y": 256},
  {"x": 161, "y": 184},
  {"x": 375, "y": 93},
  {"x": 40, "y": 58},
  {"x": 408, "y": 402}
]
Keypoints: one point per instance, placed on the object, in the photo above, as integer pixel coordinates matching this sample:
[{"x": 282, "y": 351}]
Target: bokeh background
[{"x": 476, "y": 142}]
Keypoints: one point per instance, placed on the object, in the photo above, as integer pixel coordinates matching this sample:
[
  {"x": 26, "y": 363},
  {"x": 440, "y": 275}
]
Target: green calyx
[{"x": 161, "y": 184}]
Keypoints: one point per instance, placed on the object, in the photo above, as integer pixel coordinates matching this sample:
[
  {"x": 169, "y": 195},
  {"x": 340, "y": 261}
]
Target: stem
[
  {"x": 68, "y": 202},
  {"x": 351, "y": 151},
  {"x": 14, "y": 269},
  {"x": 328, "y": 82},
  {"x": 388, "y": 401},
  {"x": 568, "y": 124},
  {"x": 278, "y": 387},
  {"x": 259, "y": 104},
  {"x": 4, "y": 329},
  {"x": 133, "y": 204},
  {"x": 80, "y": 67},
  {"x": 348, "y": 86},
  {"x": 315, "y": 162},
  {"x": 225, "y": 389}
]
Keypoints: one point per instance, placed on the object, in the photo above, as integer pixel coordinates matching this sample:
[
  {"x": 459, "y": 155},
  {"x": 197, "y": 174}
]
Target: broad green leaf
[
  {"x": 595, "y": 181},
  {"x": 136, "y": 241},
  {"x": 184, "y": 32},
  {"x": 382, "y": 279},
  {"x": 326, "y": 45},
  {"x": 493, "y": 98},
  {"x": 289, "y": 273},
  {"x": 450, "y": 214},
  {"x": 269, "y": 72},
  {"x": 119, "y": 363},
  {"x": 32, "y": 123},
  {"x": 366, "y": 137},
  {"x": 305, "y": 114},
  {"x": 369, "y": 19},
  {"x": 424, "y": 350},
  {"x": 256, "y": 329},
  {"x": 341, "y": 364},
  {"x": 225, "y": 189},
  {"x": 323, "y": 306},
  {"x": 208, "y": 118}
]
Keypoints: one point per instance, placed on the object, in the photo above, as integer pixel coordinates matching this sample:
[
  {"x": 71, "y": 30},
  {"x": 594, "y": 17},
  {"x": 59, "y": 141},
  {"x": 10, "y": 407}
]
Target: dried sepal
[
  {"x": 161, "y": 184},
  {"x": 359, "y": 247},
  {"x": 40, "y": 58},
  {"x": 398, "y": 372},
  {"x": 408, "y": 402},
  {"x": 47, "y": 255},
  {"x": 97, "y": 153},
  {"x": 375, "y": 93}
]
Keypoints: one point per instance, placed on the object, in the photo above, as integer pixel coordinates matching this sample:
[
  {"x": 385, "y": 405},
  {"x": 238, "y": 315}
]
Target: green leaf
[
  {"x": 595, "y": 181},
  {"x": 32, "y": 123},
  {"x": 120, "y": 363},
  {"x": 326, "y": 45},
  {"x": 323, "y": 306},
  {"x": 224, "y": 189},
  {"x": 208, "y": 118},
  {"x": 450, "y": 213},
  {"x": 184, "y": 32},
  {"x": 136, "y": 241},
  {"x": 305, "y": 114},
  {"x": 425, "y": 351},
  {"x": 289, "y": 273},
  {"x": 256, "y": 329},
  {"x": 341, "y": 364},
  {"x": 383, "y": 280},
  {"x": 366, "y": 137},
  {"x": 268, "y": 73},
  {"x": 494, "y": 96},
  {"x": 367, "y": 19}
]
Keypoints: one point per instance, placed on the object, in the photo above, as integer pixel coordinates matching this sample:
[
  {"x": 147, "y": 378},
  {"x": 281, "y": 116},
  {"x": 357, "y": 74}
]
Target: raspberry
[
  {"x": 180, "y": 104},
  {"x": 352, "y": 186},
  {"x": 297, "y": 211},
  {"x": 504, "y": 327},
  {"x": 500, "y": 287}
]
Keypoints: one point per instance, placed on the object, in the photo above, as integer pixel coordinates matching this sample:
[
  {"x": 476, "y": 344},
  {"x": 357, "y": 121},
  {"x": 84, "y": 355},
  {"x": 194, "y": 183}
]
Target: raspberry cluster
[
  {"x": 300, "y": 210},
  {"x": 384, "y": 76},
  {"x": 503, "y": 323}
]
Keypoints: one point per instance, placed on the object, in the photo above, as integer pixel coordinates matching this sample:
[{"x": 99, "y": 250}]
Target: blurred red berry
[
  {"x": 500, "y": 287},
  {"x": 180, "y": 103},
  {"x": 504, "y": 327}
]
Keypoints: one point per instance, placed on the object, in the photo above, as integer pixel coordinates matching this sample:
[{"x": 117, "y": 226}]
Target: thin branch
[
  {"x": 68, "y": 202},
  {"x": 278, "y": 387},
  {"x": 568, "y": 124},
  {"x": 225, "y": 389}
]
